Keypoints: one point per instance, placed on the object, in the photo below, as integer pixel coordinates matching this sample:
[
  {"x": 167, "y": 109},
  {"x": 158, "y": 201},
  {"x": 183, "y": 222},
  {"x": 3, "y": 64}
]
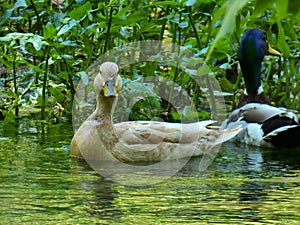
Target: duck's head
[
  {"x": 253, "y": 48},
  {"x": 108, "y": 82}
]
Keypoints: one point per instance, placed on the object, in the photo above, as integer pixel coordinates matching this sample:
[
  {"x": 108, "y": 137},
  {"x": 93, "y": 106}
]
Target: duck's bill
[
  {"x": 109, "y": 89},
  {"x": 272, "y": 51}
]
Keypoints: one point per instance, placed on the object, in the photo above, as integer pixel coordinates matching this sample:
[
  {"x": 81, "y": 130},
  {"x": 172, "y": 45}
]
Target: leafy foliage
[{"x": 46, "y": 47}]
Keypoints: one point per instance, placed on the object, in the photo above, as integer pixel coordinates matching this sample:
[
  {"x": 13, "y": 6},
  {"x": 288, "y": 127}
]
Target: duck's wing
[
  {"x": 265, "y": 124},
  {"x": 259, "y": 113},
  {"x": 153, "y": 132},
  {"x": 157, "y": 141}
]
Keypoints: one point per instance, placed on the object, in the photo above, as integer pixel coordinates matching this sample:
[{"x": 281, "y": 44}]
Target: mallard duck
[
  {"x": 133, "y": 141},
  {"x": 263, "y": 124}
]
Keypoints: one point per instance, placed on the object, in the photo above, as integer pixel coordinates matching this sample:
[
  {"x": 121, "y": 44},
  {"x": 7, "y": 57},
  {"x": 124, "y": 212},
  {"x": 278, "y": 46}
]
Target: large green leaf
[
  {"x": 280, "y": 6},
  {"x": 261, "y": 6},
  {"x": 81, "y": 12},
  {"x": 281, "y": 9},
  {"x": 294, "y": 8},
  {"x": 281, "y": 43},
  {"x": 231, "y": 8}
]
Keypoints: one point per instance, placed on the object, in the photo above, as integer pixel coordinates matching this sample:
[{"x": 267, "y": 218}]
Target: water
[{"x": 40, "y": 184}]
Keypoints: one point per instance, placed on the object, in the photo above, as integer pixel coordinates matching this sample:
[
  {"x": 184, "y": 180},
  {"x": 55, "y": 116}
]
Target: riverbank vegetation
[{"x": 46, "y": 48}]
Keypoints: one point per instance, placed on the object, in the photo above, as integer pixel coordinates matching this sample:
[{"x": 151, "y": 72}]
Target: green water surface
[{"x": 41, "y": 184}]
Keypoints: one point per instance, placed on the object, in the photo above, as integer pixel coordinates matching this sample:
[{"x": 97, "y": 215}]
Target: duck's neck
[
  {"x": 103, "y": 116},
  {"x": 104, "y": 110},
  {"x": 251, "y": 68}
]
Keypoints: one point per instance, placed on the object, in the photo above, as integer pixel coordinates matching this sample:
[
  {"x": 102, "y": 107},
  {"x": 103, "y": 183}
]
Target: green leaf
[
  {"x": 80, "y": 12},
  {"x": 135, "y": 17},
  {"x": 84, "y": 77},
  {"x": 280, "y": 6},
  {"x": 49, "y": 31},
  {"x": 65, "y": 28},
  {"x": 6, "y": 38},
  {"x": 6, "y": 16},
  {"x": 294, "y": 6},
  {"x": 37, "y": 68},
  {"x": 56, "y": 91},
  {"x": 281, "y": 9},
  {"x": 166, "y": 3},
  {"x": 176, "y": 116},
  {"x": 228, "y": 23},
  {"x": 203, "y": 70},
  {"x": 281, "y": 43},
  {"x": 190, "y": 2},
  {"x": 64, "y": 75},
  {"x": 68, "y": 43},
  {"x": 183, "y": 24},
  {"x": 7, "y": 61},
  {"x": 66, "y": 56},
  {"x": 136, "y": 88},
  {"x": 10, "y": 119},
  {"x": 261, "y": 6},
  {"x": 289, "y": 30},
  {"x": 20, "y": 3},
  {"x": 36, "y": 42}
]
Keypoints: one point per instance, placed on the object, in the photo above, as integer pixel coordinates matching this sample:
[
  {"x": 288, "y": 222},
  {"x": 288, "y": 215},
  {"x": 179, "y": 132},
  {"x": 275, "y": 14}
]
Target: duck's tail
[
  {"x": 212, "y": 150},
  {"x": 227, "y": 134},
  {"x": 285, "y": 137}
]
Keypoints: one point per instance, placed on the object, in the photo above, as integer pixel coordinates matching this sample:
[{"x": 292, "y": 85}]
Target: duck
[
  {"x": 263, "y": 124},
  {"x": 98, "y": 138}
]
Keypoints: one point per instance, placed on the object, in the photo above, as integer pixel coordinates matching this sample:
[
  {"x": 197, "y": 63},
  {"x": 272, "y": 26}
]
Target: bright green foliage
[{"x": 46, "y": 49}]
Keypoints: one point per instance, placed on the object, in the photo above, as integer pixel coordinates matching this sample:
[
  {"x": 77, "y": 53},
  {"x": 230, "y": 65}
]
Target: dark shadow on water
[{"x": 102, "y": 205}]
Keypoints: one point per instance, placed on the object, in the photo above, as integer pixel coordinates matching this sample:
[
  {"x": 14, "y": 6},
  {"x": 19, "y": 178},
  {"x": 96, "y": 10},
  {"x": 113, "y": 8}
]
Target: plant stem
[
  {"x": 45, "y": 83},
  {"x": 108, "y": 29},
  {"x": 15, "y": 86},
  {"x": 37, "y": 18},
  {"x": 212, "y": 99},
  {"x": 163, "y": 28},
  {"x": 288, "y": 72},
  {"x": 194, "y": 28},
  {"x": 235, "y": 87},
  {"x": 176, "y": 72}
]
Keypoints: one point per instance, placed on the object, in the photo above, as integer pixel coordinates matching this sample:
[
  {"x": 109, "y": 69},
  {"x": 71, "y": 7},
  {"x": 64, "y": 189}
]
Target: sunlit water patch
[{"x": 40, "y": 184}]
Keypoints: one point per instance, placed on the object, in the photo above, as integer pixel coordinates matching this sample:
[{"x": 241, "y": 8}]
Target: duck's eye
[{"x": 264, "y": 37}]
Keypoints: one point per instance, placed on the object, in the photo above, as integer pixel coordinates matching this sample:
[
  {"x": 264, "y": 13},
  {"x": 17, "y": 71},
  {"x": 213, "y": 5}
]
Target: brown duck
[{"x": 99, "y": 139}]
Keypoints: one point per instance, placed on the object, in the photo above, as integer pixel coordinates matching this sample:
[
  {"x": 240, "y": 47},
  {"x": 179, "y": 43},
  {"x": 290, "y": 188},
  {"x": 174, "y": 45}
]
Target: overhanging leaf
[
  {"x": 262, "y": 5},
  {"x": 228, "y": 23},
  {"x": 281, "y": 43}
]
